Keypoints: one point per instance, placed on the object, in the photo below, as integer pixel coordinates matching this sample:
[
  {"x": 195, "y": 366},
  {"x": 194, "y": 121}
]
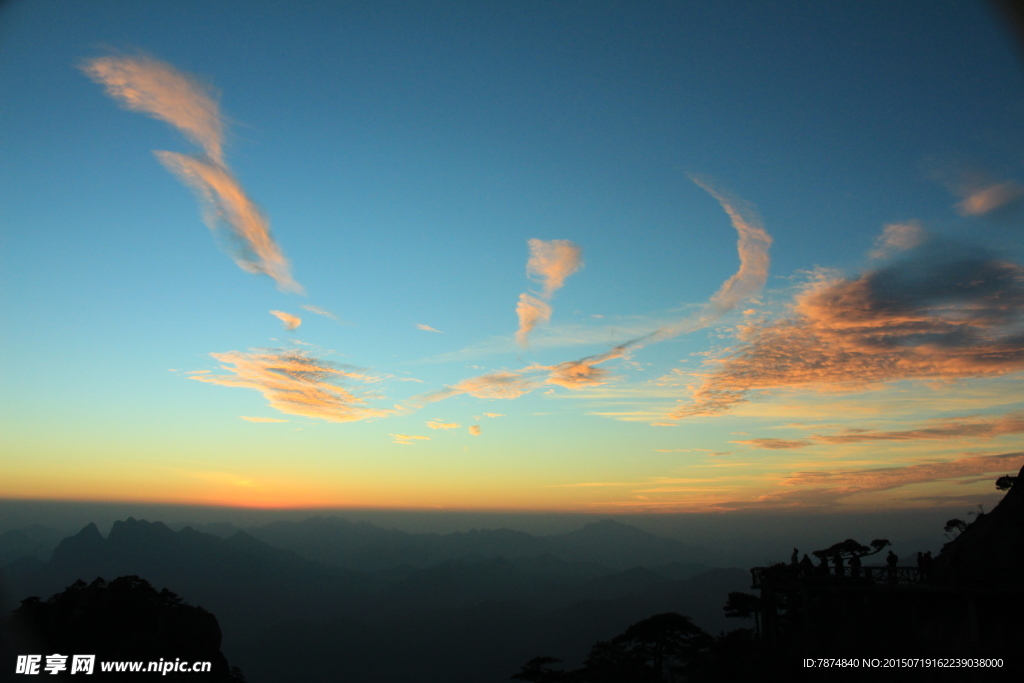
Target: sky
[{"x": 577, "y": 256}]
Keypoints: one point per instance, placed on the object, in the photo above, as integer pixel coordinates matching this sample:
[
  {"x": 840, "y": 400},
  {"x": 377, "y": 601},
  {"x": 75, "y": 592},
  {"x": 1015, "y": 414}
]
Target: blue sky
[{"x": 404, "y": 154}]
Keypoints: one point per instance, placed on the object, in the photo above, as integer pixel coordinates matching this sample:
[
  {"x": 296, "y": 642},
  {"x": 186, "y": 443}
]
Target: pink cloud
[
  {"x": 501, "y": 384},
  {"x": 227, "y": 207},
  {"x": 320, "y": 311},
  {"x": 949, "y": 428},
  {"x": 825, "y": 489},
  {"x": 583, "y": 373},
  {"x": 940, "y": 316},
  {"x": 773, "y": 444},
  {"x": 437, "y": 424},
  {"x": 531, "y": 311},
  {"x": 408, "y": 439},
  {"x": 290, "y": 321},
  {"x": 145, "y": 85},
  {"x": 296, "y": 384},
  {"x": 752, "y": 247},
  {"x": 551, "y": 262},
  {"x": 897, "y": 237},
  {"x": 979, "y": 201},
  {"x": 158, "y": 89}
]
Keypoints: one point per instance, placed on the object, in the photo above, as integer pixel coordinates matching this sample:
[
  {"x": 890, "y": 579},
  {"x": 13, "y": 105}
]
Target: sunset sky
[{"x": 575, "y": 256}]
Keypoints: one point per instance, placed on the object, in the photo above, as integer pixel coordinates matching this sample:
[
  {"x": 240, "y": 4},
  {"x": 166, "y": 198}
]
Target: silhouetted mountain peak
[
  {"x": 86, "y": 542},
  {"x": 993, "y": 543},
  {"x": 136, "y": 528},
  {"x": 90, "y": 530},
  {"x": 609, "y": 526}
]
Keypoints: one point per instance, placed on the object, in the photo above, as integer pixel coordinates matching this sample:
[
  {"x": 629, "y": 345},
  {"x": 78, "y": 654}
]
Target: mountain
[
  {"x": 479, "y": 643},
  {"x": 31, "y": 541},
  {"x": 366, "y": 547},
  {"x": 248, "y": 584},
  {"x": 472, "y": 615},
  {"x": 125, "y": 619},
  {"x": 991, "y": 548}
]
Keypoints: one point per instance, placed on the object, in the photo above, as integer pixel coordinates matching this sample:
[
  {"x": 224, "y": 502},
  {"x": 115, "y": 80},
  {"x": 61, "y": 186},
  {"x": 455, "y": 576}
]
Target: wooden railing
[{"x": 785, "y": 575}]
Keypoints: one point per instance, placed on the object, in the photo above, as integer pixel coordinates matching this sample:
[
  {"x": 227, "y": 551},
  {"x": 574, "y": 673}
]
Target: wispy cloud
[
  {"x": 493, "y": 415},
  {"x": 825, "y": 489},
  {"x": 589, "y": 484},
  {"x": 774, "y": 444},
  {"x": 502, "y": 384},
  {"x": 408, "y": 439},
  {"x": 752, "y": 246},
  {"x": 260, "y": 419},
  {"x": 898, "y": 237},
  {"x": 981, "y": 200},
  {"x": 941, "y": 429},
  {"x": 295, "y": 383},
  {"x": 532, "y": 312},
  {"x": 551, "y": 262},
  {"x": 145, "y": 85},
  {"x": 227, "y": 207},
  {"x": 584, "y": 373},
  {"x": 475, "y": 430},
  {"x": 158, "y": 89},
  {"x": 320, "y": 311},
  {"x": 437, "y": 424},
  {"x": 290, "y": 321},
  {"x": 427, "y": 328},
  {"x": 942, "y": 314}
]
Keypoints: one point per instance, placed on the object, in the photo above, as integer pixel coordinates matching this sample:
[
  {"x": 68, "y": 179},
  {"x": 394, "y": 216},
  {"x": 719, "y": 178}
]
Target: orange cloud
[
  {"x": 227, "y": 206},
  {"x": 427, "y": 328},
  {"x": 501, "y": 384},
  {"x": 493, "y": 415},
  {"x": 939, "y": 316},
  {"x": 752, "y": 247},
  {"x": 979, "y": 201},
  {"x": 295, "y": 383},
  {"x": 828, "y": 488},
  {"x": 437, "y": 424},
  {"x": 290, "y": 321},
  {"x": 553, "y": 261},
  {"x": 408, "y": 440},
  {"x": 531, "y": 311},
  {"x": 475, "y": 430},
  {"x": 145, "y": 85},
  {"x": 320, "y": 311},
  {"x": 582, "y": 373},
  {"x": 158, "y": 89},
  {"x": 897, "y": 237},
  {"x": 774, "y": 444},
  {"x": 949, "y": 428}
]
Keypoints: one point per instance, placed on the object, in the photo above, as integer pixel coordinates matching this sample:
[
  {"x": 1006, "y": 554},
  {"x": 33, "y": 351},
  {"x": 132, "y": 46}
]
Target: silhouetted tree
[
  {"x": 126, "y": 619},
  {"x": 536, "y": 671},
  {"x": 851, "y": 548},
  {"x": 664, "y": 639},
  {"x": 611, "y": 661},
  {"x": 954, "y": 524},
  {"x": 652, "y": 650},
  {"x": 1005, "y": 482},
  {"x": 744, "y": 605}
]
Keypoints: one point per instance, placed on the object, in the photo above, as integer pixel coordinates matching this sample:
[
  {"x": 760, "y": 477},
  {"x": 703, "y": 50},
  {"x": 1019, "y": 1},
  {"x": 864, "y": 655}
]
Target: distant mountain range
[{"x": 292, "y": 597}]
